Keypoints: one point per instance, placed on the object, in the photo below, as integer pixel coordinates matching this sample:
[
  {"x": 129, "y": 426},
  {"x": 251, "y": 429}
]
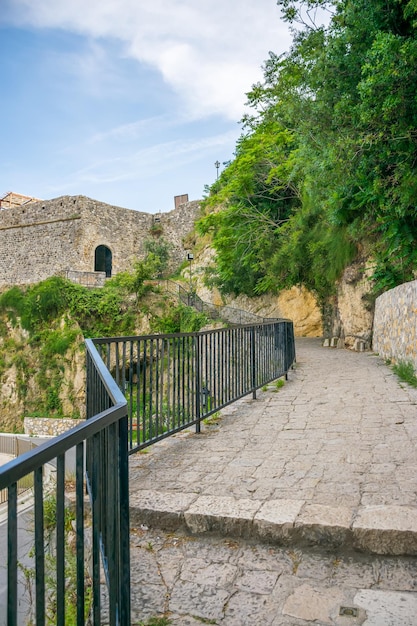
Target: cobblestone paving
[
  {"x": 341, "y": 431},
  {"x": 212, "y": 580},
  {"x": 334, "y": 448}
]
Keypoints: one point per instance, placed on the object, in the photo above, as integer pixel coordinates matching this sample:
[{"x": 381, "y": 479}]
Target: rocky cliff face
[
  {"x": 297, "y": 304},
  {"x": 349, "y": 315},
  {"x": 352, "y": 311},
  {"x": 28, "y": 385}
]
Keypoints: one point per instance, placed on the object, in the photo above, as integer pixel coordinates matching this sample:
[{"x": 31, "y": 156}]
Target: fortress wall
[
  {"x": 395, "y": 323},
  {"x": 121, "y": 230},
  {"x": 124, "y": 231},
  {"x": 34, "y": 239},
  {"x": 44, "y": 238}
]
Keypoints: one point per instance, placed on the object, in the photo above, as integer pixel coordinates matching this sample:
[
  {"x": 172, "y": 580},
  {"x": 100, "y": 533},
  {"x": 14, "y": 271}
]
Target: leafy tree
[
  {"x": 258, "y": 196},
  {"x": 326, "y": 166}
]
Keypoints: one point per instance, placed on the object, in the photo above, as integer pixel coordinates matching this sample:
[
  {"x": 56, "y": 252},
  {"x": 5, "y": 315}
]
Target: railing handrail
[
  {"x": 104, "y": 547},
  {"x": 173, "y": 381},
  {"x": 209, "y": 331},
  {"x": 179, "y": 289},
  {"x": 110, "y": 384},
  {"x": 27, "y": 462},
  {"x": 213, "y": 367}
]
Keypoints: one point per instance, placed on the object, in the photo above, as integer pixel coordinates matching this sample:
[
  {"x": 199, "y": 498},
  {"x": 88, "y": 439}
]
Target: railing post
[
  {"x": 287, "y": 343},
  {"x": 124, "y": 556},
  {"x": 12, "y": 556},
  {"x": 197, "y": 383},
  {"x": 253, "y": 361}
]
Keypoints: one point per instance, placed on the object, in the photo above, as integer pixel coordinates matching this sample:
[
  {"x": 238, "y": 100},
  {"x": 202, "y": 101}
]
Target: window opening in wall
[{"x": 103, "y": 260}]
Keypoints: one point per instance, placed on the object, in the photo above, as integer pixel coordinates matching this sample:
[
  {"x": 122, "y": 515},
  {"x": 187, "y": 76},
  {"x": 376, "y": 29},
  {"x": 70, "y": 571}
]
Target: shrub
[{"x": 180, "y": 319}]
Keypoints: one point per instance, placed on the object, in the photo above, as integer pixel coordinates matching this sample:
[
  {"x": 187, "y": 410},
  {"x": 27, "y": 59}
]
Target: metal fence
[
  {"x": 99, "y": 524},
  {"x": 223, "y": 312},
  {"x": 13, "y": 445},
  {"x": 175, "y": 381},
  {"x": 144, "y": 389}
]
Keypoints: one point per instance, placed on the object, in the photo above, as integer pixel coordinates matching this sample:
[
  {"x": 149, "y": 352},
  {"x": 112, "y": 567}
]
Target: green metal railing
[
  {"x": 174, "y": 381},
  {"x": 139, "y": 390},
  {"x": 101, "y": 525}
]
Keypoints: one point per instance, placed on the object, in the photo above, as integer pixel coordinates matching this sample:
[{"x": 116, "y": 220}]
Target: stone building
[{"x": 82, "y": 238}]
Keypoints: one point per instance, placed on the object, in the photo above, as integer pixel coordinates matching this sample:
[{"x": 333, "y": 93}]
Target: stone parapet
[{"x": 395, "y": 324}]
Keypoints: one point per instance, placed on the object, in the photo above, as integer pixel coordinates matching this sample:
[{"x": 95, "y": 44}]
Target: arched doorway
[{"x": 103, "y": 260}]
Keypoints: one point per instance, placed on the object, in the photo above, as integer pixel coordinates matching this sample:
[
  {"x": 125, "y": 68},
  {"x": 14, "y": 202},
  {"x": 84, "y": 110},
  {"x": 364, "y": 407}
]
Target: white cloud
[
  {"x": 133, "y": 130},
  {"x": 146, "y": 178},
  {"x": 209, "y": 54},
  {"x": 164, "y": 156}
]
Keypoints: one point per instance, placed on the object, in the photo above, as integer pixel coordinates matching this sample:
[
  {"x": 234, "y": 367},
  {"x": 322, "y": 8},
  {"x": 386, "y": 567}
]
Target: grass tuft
[{"x": 406, "y": 372}]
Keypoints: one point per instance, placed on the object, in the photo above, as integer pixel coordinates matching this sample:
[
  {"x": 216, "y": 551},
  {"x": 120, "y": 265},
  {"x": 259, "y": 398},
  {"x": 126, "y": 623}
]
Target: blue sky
[{"x": 130, "y": 102}]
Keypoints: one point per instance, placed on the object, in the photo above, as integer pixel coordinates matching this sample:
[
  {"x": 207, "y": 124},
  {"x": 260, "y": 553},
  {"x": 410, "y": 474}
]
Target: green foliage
[
  {"x": 101, "y": 312},
  {"x": 160, "y": 250},
  {"x": 406, "y": 372},
  {"x": 326, "y": 167},
  {"x": 257, "y": 197},
  {"x": 279, "y": 384},
  {"x": 56, "y": 314},
  {"x": 44, "y": 302},
  {"x": 52, "y": 312},
  {"x": 59, "y": 341},
  {"x": 49, "y": 512},
  {"x": 50, "y": 520},
  {"x": 180, "y": 319},
  {"x": 97, "y": 311},
  {"x": 151, "y": 267},
  {"x": 213, "y": 420},
  {"x": 12, "y": 302}
]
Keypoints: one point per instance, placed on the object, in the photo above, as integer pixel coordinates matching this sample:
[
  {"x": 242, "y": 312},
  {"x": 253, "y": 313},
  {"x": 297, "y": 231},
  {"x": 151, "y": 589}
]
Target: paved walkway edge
[{"x": 385, "y": 530}]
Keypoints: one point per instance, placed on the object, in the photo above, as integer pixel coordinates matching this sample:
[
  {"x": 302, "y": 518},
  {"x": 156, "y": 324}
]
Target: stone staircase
[{"x": 224, "y": 313}]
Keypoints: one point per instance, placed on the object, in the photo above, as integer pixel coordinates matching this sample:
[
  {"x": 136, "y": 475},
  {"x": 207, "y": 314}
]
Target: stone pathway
[
  {"x": 228, "y": 582},
  {"x": 327, "y": 462},
  {"x": 330, "y": 458}
]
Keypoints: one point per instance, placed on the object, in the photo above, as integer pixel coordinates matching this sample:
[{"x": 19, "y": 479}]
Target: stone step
[{"x": 384, "y": 530}]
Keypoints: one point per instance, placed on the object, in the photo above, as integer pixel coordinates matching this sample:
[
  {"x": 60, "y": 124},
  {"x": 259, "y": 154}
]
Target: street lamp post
[
  {"x": 217, "y": 165},
  {"x": 190, "y": 257}
]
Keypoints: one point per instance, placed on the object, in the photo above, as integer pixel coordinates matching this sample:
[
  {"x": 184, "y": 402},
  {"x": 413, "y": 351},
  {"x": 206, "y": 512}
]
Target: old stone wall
[
  {"x": 40, "y": 239},
  {"x": 47, "y": 426},
  {"x": 395, "y": 324}
]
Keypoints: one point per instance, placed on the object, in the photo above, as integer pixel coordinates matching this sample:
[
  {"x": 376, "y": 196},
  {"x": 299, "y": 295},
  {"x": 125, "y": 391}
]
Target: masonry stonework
[
  {"x": 44, "y": 238},
  {"x": 48, "y": 426},
  {"x": 395, "y": 324}
]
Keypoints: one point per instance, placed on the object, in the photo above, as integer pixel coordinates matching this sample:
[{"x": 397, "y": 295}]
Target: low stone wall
[
  {"x": 48, "y": 427},
  {"x": 395, "y": 324}
]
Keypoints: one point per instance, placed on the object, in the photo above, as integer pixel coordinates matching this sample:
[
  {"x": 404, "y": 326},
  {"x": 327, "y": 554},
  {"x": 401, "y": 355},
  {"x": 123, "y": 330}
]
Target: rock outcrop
[{"x": 351, "y": 316}]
